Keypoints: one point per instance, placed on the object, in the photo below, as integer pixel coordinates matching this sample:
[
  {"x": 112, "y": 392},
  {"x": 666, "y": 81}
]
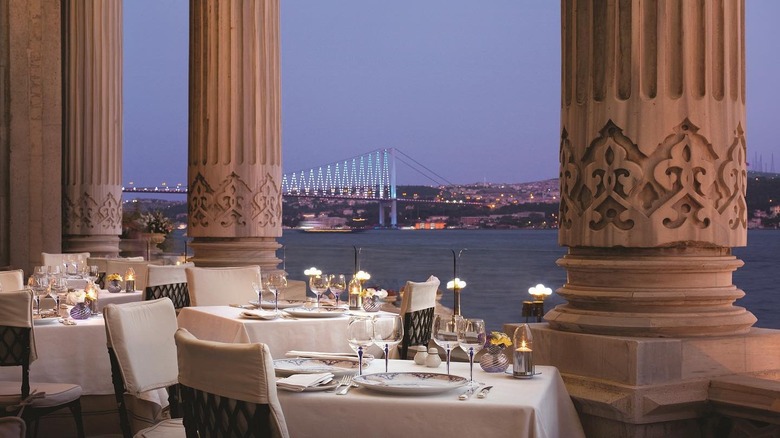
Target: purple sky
[{"x": 470, "y": 89}]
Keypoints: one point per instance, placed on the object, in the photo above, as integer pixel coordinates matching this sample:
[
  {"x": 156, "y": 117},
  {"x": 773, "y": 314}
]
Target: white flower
[{"x": 456, "y": 283}]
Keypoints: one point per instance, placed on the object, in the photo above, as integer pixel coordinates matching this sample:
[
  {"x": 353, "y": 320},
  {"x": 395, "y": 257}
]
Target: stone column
[
  {"x": 234, "y": 168},
  {"x": 30, "y": 131},
  {"x": 92, "y": 153},
  {"x": 653, "y": 170}
]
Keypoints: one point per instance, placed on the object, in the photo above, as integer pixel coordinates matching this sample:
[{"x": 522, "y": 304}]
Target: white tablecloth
[
  {"x": 223, "y": 324},
  {"x": 105, "y": 297},
  {"x": 70, "y": 354},
  {"x": 538, "y": 407}
]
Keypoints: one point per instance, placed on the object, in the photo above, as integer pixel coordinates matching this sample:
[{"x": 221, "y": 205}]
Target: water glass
[
  {"x": 337, "y": 285},
  {"x": 274, "y": 282},
  {"x": 319, "y": 285},
  {"x": 93, "y": 273},
  {"x": 388, "y": 333},
  {"x": 360, "y": 332},
  {"x": 40, "y": 285},
  {"x": 445, "y": 333},
  {"x": 471, "y": 338},
  {"x": 257, "y": 286}
]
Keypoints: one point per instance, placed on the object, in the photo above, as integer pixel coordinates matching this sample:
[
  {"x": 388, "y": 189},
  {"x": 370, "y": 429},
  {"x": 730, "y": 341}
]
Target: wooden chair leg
[{"x": 75, "y": 409}]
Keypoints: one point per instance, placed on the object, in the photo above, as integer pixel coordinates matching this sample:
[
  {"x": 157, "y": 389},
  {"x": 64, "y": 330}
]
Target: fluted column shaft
[
  {"x": 92, "y": 211},
  {"x": 234, "y": 168},
  {"x": 653, "y": 170}
]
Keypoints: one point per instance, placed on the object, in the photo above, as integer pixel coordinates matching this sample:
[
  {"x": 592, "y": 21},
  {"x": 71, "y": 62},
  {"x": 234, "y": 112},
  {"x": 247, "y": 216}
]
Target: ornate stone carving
[
  {"x": 233, "y": 202},
  {"x": 85, "y": 215},
  {"x": 683, "y": 183}
]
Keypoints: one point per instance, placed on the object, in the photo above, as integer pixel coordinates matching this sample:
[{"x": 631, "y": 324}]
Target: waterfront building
[{"x": 650, "y": 343}]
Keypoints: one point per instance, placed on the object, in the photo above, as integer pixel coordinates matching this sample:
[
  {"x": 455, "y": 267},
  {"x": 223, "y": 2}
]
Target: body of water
[{"x": 498, "y": 265}]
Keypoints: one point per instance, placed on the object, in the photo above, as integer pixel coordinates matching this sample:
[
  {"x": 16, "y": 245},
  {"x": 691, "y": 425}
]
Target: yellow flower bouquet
[{"x": 114, "y": 277}]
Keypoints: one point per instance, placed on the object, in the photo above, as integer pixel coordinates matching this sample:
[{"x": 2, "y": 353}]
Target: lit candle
[
  {"x": 130, "y": 280},
  {"x": 523, "y": 363}
]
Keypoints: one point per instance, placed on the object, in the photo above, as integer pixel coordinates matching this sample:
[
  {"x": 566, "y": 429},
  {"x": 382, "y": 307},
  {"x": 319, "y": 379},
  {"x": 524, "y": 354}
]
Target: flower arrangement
[
  {"x": 114, "y": 277},
  {"x": 155, "y": 222},
  {"x": 498, "y": 339},
  {"x": 373, "y": 293}
]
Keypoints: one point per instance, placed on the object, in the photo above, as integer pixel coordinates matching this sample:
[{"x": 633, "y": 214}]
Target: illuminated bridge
[{"x": 367, "y": 177}]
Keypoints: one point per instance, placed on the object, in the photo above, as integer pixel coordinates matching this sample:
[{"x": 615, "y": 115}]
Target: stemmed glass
[
  {"x": 471, "y": 337},
  {"x": 40, "y": 285},
  {"x": 388, "y": 332},
  {"x": 274, "y": 282},
  {"x": 319, "y": 285},
  {"x": 338, "y": 284},
  {"x": 360, "y": 332},
  {"x": 445, "y": 333},
  {"x": 93, "y": 273},
  {"x": 58, "y": 290},
  {"x": 257, "y": 285}
]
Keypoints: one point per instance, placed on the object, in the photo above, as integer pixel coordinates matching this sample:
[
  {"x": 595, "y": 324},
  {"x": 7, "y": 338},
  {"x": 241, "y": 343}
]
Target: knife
[
  {"x": 484, "y": 392},
  {"x": 466, "y": 394}
]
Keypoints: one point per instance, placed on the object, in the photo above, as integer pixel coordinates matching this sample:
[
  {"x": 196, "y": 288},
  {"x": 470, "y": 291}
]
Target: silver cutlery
[
  {"x": 484, "y": 392},
  {"x": 244, "y": 306},
  {"x": 345, "y": 380},
  {"x": 66, "y": 321},
  {"x": 349, "y": 385}
]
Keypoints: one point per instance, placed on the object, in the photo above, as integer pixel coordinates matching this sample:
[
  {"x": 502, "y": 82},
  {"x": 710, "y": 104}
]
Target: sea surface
[{"x": 498, "y": 265}]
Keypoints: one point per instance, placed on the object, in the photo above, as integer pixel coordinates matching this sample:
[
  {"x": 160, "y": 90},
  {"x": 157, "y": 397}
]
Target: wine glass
[
  {"x": 58, "y": 290},
  {"x": 40, "y": 285},
  {"x": 445, "y": 333},
  {"x": 274, "y": 282},
  {"x": 319, "y": 285},
  {"x": 471, "y": 338},
  {"x": 388, "y": 332},
  {"x": 360, "y": 332},
  {"x": 257, "y": 285},
  {"x": 338, "y": 284},
  {"x": 93, "y": 273}
]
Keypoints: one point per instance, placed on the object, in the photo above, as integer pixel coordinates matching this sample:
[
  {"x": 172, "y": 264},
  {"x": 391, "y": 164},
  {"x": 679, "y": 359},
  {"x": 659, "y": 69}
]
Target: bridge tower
[{"x": 392, "y": 202}]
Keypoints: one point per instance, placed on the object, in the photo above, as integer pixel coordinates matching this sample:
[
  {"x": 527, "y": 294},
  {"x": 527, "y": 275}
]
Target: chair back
[
  {"x": 17, "y": 345},
  {"x": 12, "y": 427},
  {"x": 221, "y": 286},
  {"x": 11, "y": 280},
  {"x": 168, "y": 282},
  {"x": 228, "y": 389},
  {"x": 417, "y": 307},
  {"x": 120, "y": 266},
  {"x": 142, "y": 352},
  {"x": 57, "y": 259}
]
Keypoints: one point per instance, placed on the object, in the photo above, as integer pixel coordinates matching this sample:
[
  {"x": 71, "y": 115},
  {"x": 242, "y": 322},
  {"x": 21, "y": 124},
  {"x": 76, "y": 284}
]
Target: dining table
[
  {"x": 536, "y": 407},
  {"x": 282, "y": 334}
]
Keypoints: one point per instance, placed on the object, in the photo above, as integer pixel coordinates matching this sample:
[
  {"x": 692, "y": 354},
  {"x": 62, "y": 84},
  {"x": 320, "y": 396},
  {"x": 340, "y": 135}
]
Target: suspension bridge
[{"x": 367, "y": 177}]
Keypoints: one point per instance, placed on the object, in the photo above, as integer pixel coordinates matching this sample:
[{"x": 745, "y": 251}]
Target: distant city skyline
[{"x": 469, "y": 89}]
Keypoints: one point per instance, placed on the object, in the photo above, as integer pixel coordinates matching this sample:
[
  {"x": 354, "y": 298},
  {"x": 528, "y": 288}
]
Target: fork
[
  {"x": 348, "y": 384},
  {"x": 345, "y": 380}
]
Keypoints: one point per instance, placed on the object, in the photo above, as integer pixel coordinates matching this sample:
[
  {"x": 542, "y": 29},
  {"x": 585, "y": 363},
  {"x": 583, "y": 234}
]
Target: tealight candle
[
  {"x": 130, "y": 280},
  {"x": 523, "y": 363}
]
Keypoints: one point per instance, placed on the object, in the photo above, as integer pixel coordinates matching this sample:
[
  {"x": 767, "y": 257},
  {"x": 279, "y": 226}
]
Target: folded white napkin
[
  {"x": 299, "y": 382},
  {"x": 258, "y": 314},
  {"x": 352, "y": 357}
]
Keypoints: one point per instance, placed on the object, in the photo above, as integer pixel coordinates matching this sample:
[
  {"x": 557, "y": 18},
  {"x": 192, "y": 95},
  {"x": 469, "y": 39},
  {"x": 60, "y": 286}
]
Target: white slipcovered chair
[
  {"x": 417, "y": 308},
  {"x": 228, "y": 389},
  {"x": 11, "y": 280},
  {"x": 169, "y": 281},
  {"x": 12, "y": 427},
  {"x": 57, "y": 259},
  {"x": 143, "y": 361},
  {"x": 222, "y": 286},
  {"x": 17, "y": 349}
]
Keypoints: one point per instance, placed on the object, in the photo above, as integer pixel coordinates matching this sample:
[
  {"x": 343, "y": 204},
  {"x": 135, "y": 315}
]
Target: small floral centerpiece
[
  {"x": 494, "y": 360},
  {"x": 372, "y": 298},
  {"x": 112, "y": 282}
]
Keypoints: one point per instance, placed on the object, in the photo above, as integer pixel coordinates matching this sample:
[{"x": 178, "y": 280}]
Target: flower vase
[
  {"x": 114, "y": 286},
  {"x": 80, "y": 311},
  {"x": 371, "y": 304},
  {"x": 494, "y": 360}
]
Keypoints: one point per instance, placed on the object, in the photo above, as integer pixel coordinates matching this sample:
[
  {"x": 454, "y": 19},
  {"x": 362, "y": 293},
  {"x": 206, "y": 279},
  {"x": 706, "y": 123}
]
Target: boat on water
[{"x": 324, "y": 226}]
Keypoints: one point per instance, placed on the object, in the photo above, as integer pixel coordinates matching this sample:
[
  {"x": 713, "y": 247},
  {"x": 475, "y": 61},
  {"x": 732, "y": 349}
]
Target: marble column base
[
  {"x": 635, "y": 386},
  {"x": 95, "y": 245},
  {"x": 237, "y": 251}
]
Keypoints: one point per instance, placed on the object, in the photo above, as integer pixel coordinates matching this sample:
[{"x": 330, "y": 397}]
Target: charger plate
[{"x": 410, "y": 383}]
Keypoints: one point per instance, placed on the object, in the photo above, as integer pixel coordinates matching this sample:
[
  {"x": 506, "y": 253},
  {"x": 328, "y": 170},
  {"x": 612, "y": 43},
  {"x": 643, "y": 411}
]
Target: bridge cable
[{"x": 425, "y": 167}]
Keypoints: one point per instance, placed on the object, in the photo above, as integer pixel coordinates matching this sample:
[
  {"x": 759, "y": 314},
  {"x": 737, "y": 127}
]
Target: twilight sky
[{"x": 470, "y": 89}]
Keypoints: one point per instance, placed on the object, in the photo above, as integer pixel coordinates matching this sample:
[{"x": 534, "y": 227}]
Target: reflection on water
[{"x": 499, "y": 266}]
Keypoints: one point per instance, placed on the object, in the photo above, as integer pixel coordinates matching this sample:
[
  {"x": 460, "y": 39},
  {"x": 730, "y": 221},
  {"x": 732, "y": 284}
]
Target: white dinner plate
[
  {"x": 288, "y": 367},
  {"x": 283, "y": 304},
  {"x": 410, "y": 383},
  {"x": 316, "y": 312}
]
